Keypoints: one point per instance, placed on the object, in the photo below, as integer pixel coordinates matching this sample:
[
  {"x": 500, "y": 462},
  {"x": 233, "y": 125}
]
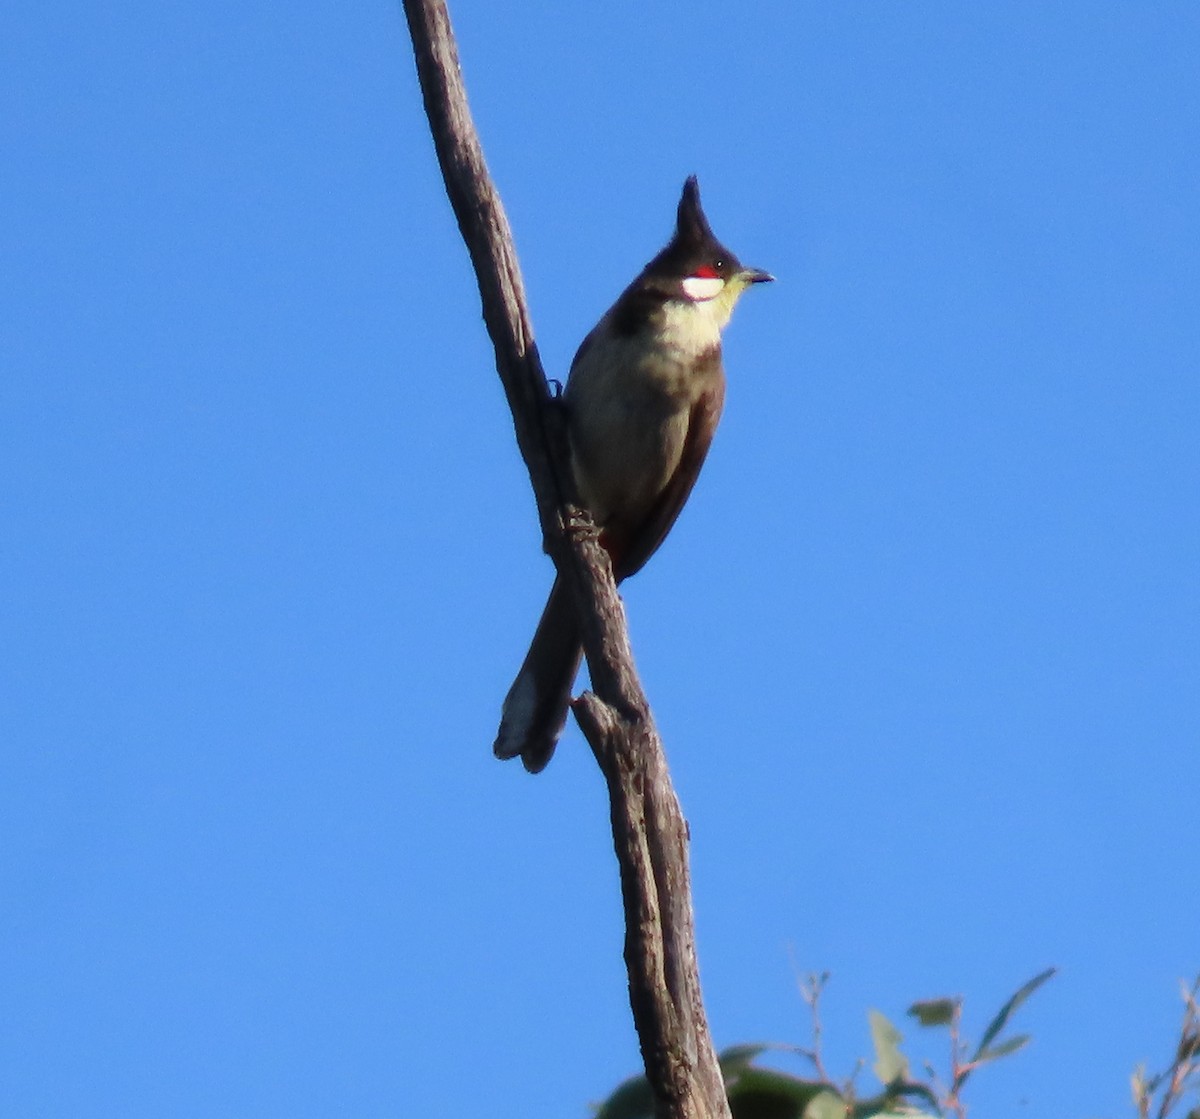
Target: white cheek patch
[{"x": 701, "y": 288}]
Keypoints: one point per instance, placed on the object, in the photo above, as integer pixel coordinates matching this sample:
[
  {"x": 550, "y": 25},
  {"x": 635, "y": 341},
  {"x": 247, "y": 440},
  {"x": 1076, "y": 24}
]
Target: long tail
[{"x": 535, "y": 709}]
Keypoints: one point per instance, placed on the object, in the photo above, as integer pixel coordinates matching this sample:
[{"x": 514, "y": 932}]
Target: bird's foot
[{"x": 578, "y": 524}]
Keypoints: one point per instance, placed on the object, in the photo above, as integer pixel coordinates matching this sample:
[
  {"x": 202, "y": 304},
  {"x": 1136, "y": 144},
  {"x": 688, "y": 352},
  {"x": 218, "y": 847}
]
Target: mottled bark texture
[{"x": 649, "y": 832}]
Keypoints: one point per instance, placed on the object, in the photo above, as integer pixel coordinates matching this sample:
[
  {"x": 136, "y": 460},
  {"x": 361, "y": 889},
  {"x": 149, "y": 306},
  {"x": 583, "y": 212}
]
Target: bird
[{"x": 642, "y": 400}]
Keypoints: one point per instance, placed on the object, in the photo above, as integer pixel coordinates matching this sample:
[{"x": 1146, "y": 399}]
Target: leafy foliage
[
  {"x": 1161, "y": 1094},
  {"x": 758, "y": 1092}
]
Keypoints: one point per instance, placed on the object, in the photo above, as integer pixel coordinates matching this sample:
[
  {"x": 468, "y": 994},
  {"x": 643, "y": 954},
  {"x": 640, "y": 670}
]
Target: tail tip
[{"x": 535, "y": 754}]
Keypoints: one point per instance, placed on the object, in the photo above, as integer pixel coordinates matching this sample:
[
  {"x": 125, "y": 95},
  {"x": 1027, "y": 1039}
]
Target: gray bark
[{"x": 649, "y": 831}]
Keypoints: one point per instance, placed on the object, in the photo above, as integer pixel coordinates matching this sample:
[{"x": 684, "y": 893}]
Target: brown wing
[{"x": 631, "y": 545}]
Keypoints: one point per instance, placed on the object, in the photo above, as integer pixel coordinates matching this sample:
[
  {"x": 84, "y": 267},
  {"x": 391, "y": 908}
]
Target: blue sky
[{"x": 924, "y": 647}]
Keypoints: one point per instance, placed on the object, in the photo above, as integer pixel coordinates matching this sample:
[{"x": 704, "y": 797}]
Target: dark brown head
[{"x": 695, "y": 266}]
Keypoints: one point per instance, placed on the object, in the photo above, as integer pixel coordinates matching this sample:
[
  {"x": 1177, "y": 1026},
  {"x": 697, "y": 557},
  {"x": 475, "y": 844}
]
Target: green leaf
[
  {"x": 738, "y": 1057},
  {"x": 633, "y": 1099},
  {"x": 826, "y": 1105},
  {"x": 906, "y": 1114},
  {"x": 935, "y": 1012},
  {"x": 1002, "y": 1050},
  {"x": 759, "y": 1093},
  {"x": 917, "y": 1089},
  {"x": 756, "y": 1106},
  {"x": 1001, "y": 1020},
  {"x": 896, "y": 1099},
  {"x": 890, "y": 1063}
]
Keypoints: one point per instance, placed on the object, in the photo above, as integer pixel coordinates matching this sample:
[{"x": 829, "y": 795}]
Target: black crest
[
  {"x": 694, "y": 244},
  {"x": 690, "y": 223}
]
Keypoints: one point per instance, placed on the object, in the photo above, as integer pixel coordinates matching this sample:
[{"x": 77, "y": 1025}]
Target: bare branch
[{"x": 649, "y": 832}]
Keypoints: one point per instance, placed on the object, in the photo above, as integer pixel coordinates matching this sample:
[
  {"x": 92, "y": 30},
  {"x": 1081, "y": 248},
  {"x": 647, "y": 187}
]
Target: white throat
[{"x": 692, "y": 328}]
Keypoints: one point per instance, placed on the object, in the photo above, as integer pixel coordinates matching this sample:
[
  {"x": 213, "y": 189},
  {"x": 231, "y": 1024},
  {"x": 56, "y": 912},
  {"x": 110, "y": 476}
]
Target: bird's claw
[{"x": 578, "y": 524}]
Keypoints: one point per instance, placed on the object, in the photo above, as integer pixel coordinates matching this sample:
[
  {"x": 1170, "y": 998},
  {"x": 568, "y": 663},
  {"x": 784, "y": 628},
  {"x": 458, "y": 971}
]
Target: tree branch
[{"x": 649, "y": 832}]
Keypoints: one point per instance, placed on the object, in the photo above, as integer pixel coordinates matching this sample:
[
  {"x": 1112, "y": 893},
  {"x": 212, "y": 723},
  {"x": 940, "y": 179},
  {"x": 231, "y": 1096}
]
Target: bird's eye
[{"x": 707, "y": 271}]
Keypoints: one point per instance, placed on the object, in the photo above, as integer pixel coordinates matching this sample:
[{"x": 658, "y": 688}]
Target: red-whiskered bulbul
[{"x": 642, "y": 402}]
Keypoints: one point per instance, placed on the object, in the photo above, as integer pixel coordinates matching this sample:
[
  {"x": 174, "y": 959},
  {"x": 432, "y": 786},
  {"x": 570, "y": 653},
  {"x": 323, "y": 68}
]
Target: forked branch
[{"x": 649, "y": 832}]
